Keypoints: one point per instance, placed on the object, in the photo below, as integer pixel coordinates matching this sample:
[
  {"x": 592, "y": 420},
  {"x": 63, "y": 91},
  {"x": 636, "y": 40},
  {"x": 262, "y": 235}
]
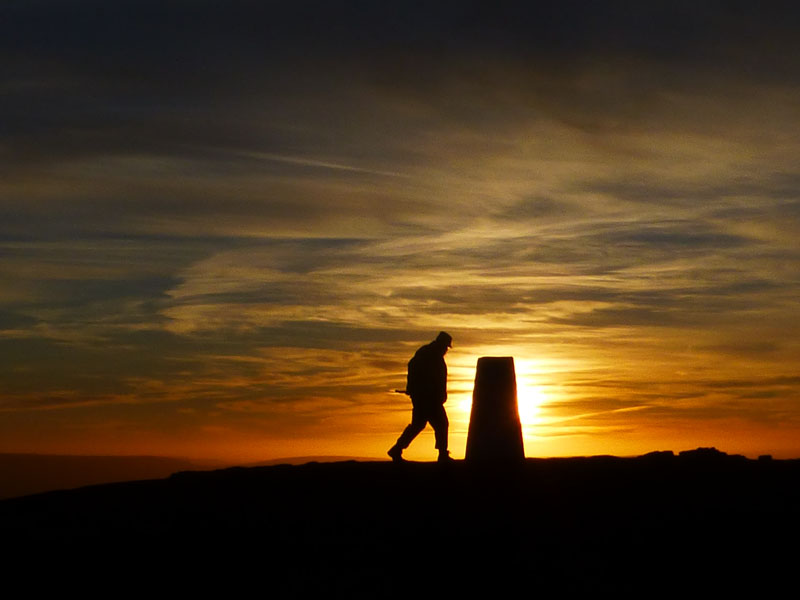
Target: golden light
[
  {"x": 530, "y": 398},
  {"x": 531, "y": 394}
]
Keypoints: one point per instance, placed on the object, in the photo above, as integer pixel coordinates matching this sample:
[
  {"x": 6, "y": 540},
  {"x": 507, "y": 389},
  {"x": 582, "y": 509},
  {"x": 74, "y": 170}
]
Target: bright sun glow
[
  {"x": 530, "y": 398},
  {"x": 531, "y": 395}
]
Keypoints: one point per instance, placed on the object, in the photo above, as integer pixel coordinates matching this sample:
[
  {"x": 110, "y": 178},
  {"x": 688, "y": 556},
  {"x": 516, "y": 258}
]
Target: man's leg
[
  {"x": 437, "y": 417},
  {"x": 418, "y": 423}
]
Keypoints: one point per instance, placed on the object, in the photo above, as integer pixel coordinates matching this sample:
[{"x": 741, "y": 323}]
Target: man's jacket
[{"x": 427, "y": 376}]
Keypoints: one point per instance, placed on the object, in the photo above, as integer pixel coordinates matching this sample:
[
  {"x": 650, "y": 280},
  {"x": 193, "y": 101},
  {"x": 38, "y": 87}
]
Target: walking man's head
[{"x": 445, "y": 340}]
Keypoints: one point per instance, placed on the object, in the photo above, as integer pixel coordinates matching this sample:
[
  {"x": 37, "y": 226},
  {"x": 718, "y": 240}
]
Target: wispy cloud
[{"x": 260, "y": 213}]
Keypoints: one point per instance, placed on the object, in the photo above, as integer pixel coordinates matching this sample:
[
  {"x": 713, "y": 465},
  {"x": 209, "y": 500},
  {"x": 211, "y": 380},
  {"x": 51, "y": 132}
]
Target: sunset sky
[{"x": 225, "y": 226}]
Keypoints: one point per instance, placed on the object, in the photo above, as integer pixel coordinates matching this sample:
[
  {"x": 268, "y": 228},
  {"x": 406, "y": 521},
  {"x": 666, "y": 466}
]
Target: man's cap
[{"x": 446, "y": 338}]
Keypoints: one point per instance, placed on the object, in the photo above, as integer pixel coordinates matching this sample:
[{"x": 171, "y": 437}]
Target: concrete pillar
[{"x": 495, "y": 432}]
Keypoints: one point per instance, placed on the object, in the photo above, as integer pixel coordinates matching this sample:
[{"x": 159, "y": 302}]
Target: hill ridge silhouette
[{"x": 571, "y": 524}]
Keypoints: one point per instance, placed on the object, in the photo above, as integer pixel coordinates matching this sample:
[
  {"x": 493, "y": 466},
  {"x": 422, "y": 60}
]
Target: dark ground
[{"x": 699, "y": 521}]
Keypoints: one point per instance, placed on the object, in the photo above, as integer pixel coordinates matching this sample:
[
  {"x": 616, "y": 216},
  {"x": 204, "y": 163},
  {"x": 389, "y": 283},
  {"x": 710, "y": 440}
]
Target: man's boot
[
  {"x": 444, "y": 456},
  {"x": 396, "y": 452}
]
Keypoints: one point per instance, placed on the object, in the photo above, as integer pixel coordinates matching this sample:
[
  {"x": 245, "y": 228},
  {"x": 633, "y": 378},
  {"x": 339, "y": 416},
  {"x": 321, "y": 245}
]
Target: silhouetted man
[{"x": 427, "y": 386}]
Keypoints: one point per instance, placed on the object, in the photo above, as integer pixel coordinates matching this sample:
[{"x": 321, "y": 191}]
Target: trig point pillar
[{"x": 495, "y": 433}]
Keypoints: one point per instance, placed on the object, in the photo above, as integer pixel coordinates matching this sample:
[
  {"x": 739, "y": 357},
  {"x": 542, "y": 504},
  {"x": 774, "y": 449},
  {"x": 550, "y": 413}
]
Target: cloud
[{"x": 243, "y": 206}]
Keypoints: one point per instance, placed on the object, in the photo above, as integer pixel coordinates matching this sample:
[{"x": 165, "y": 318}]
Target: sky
[{"x": 225, "y": 226}]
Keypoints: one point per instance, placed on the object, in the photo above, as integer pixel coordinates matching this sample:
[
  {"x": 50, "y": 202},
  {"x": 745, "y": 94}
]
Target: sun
[{"x": 530, "y": 399}]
